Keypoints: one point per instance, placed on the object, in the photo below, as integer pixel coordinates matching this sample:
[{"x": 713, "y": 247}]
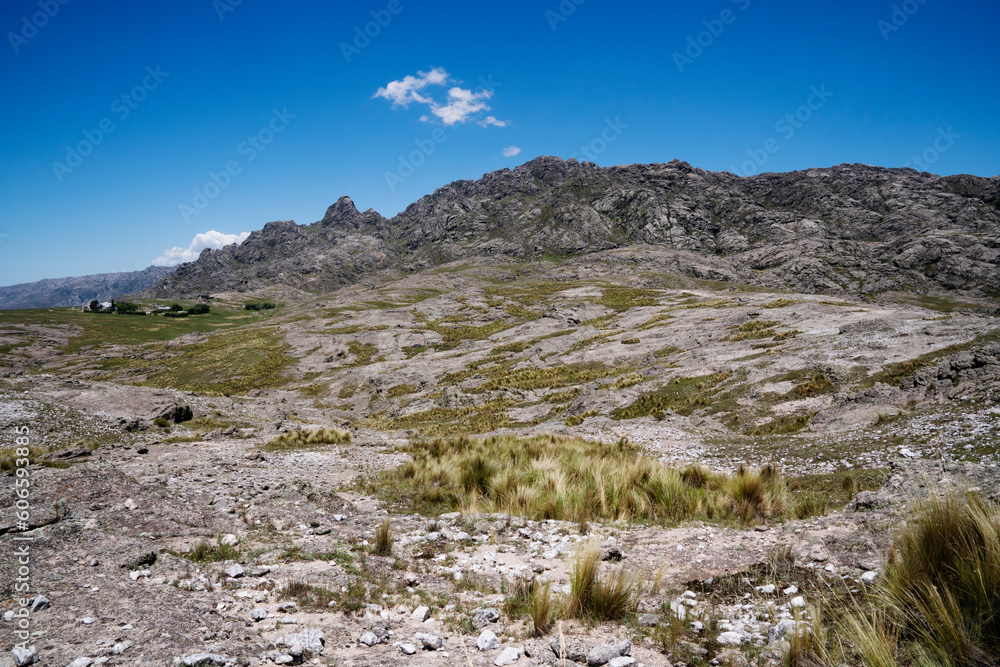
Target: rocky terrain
[
  {"x": 219, "y": 491},
  {"x": 849, "y": 229},
  {"x": 59, "y": 292}
]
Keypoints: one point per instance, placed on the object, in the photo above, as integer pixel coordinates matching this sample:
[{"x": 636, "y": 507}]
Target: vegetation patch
[
  {"x": 441, "y": 422},
  {"x": 782, "y": 425},
  {"x": 753, "y": 330},
  {"x": 620, "y": 298},
  {"x": 553, "y": 377},
  {"x": 307, "y": 439},
  {"x": 683, "y": 396},
  {"x": 401, "y": 390},
  {"x": 556, "y": 477},
  {"x": 226, "y": 363},
  {"x": 363, "y": 353}
]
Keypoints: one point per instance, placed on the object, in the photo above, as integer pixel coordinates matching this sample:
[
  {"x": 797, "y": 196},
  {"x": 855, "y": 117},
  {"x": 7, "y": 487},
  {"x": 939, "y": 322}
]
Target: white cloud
[
  {"x": 461, "y": 105},
  {"x": 492, "y": 120},
  {"x": 511, "y": 151},
  {"x": 210, "y": 239},
  {"x": 404, "y": 91}
]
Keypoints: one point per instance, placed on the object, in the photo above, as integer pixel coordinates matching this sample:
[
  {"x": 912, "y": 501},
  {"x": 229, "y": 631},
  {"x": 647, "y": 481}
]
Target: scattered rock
[
  {"x": 369, "y": 639},
  {"x": 731, "y": 638},
  {"x": 38, "y": 603},
  {"x": 311, "y": 641},
  {"x": 601, "y": 655},
  {"x": 487, "y": 641},
  {"x": 509, "y": 656},
  {"x": 484, "y": 617},
  {"x": 24, "y": 656},
  {"x": 201, "y": 660},
  {"x": 869, "y": 577},
  {"x": 421, "y": 614},
  {"x": 234, "y": 571},
  {"x": 429, "y": 641}
]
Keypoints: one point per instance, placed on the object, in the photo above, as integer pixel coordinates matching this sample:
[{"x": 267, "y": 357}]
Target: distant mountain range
[
  {"x": 853, "y": 229},
  {"x": 59, "y": 292}
]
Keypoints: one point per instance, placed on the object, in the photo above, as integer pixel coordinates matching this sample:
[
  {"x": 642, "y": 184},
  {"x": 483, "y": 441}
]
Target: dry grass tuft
[{"x": 384, "y": 539}]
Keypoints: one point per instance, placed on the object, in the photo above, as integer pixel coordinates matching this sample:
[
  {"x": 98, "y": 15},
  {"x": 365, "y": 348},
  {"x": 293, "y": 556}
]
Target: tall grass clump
[
  {"x": 563, "y": 478},
  {"x": 757, "y": 495},
  {"x": 384, "y": 539},
  {"x": 938, "y": 602},
  {"x": 571, "y": 479},
  {"x": 607, "y": 596},
  {"x": 305, "y": 439}
]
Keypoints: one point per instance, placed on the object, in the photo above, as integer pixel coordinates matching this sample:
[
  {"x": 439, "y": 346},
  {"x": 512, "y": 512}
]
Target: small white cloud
[
  {"x": 210, "y": 239},
  {"x": 511, "y": 151},
  {"x": 404, "y": 91},
  {"x": 461, "y": 105},
  {"x": 492, "y": 120}
]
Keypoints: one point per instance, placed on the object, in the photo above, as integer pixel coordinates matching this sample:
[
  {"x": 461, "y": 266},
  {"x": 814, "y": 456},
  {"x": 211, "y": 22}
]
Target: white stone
[
  {"x": 421, "y": 614},
  {"x": 24, "y": 656},
  {"x": 487, "y": 641},
  {"x": 234, "y": 571},
  {"x": 767, "y": 589},
  {"x": 869, "y": 577},
  {"x": 369, "y": 639},
  {"x": 730, "y": 639},
  {"x": 408, "y": 649},
  {"x": 229, "y": 540},
  {"x": 621, "y": 661},
  {"x": 791, "y": 590},
  {"x": 81, "y": 662},
  {"x": 509, "y": 656},
  {"x": 798, "y": 601},
  {"x": 309, "y": 639},
  {"x": 429, "y": 641}
]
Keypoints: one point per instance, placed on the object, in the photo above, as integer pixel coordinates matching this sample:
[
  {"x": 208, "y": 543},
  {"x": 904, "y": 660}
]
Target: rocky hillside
[
  {"x": 59, "y": 292},
  {"x": 851, "y": 229}
]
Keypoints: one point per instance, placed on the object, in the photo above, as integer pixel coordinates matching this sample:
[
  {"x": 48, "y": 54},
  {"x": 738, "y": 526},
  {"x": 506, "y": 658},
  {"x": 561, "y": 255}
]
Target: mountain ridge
[
  {"x": 78, "y": 290},
  {"x": 854, "y": 229}
]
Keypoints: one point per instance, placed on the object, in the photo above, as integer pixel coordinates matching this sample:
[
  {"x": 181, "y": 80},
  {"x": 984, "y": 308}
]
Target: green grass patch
[
  {"x": 683, "y": 396},
  {"x": 621, "y": 298},
  {"x": 225, "y": 363}
]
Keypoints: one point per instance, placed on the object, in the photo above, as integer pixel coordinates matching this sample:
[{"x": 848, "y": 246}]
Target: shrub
[
  {"x": 161, "y": 422},
  {"x": 199, "y": 309},
  {"x": 127, "y": 308},
  {"x": 176, "y": 307},
  {"x": 260, "y": 305},
  {"x": 172, "y": 313}
]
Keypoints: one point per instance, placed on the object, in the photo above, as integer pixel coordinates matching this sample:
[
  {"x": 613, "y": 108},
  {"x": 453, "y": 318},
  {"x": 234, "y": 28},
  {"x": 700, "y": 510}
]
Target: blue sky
[{"x": 268, "y": 99}]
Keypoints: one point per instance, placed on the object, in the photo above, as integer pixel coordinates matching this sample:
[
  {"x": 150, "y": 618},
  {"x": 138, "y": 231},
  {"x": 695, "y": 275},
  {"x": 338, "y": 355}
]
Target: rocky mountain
[
  {"x": 852, "y": 229},
  {"x": 59, "y": 292}
]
